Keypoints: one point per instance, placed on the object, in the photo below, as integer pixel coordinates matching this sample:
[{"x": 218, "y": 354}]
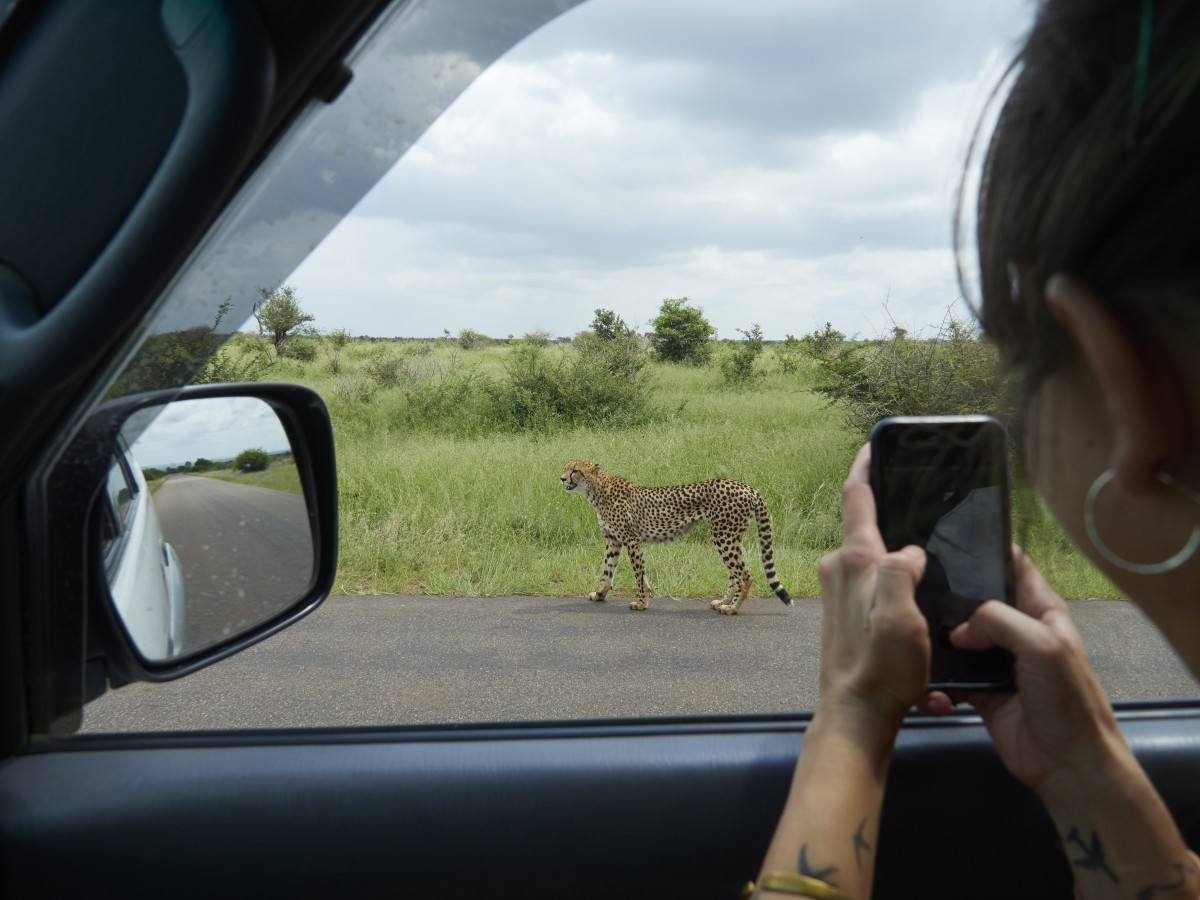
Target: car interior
[{"x": 145, "y": 144}]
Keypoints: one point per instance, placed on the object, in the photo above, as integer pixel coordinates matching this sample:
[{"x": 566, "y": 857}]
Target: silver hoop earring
[{"x": 1159, "y": 568}]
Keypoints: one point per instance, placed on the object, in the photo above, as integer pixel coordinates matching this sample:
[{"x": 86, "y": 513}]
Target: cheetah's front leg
[
  {"x": 611, "y": 555},
  {"x": 639, "y": 573}
]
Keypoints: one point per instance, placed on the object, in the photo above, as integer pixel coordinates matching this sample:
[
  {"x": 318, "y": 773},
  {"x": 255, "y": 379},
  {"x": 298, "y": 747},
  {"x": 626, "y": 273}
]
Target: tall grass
[{"x": 460, "y": 509}]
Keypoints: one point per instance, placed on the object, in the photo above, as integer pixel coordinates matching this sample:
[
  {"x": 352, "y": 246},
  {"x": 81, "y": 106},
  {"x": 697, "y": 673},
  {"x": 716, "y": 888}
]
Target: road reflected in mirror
[{"x": 206, "y": 530}]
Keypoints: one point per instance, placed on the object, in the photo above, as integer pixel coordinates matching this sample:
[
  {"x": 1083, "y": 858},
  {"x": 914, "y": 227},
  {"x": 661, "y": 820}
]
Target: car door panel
[{"x": 621, "y": 809}]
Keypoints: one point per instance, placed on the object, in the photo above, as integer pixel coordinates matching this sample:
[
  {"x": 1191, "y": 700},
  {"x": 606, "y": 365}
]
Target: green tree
[
  {"x": 251, "y": 460},
  {"x": 280, "y": 317},
  {"x": 608, "y": 326},
  {"x": 681, "y": 333}
]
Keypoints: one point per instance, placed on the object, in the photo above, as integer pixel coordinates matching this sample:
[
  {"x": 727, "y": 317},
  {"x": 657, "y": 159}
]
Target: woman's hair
[{"x": 1093, "y": 170}]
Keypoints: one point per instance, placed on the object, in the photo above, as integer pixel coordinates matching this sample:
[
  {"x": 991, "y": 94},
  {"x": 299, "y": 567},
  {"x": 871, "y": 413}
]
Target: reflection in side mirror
[{"x": 205, "y": 528}]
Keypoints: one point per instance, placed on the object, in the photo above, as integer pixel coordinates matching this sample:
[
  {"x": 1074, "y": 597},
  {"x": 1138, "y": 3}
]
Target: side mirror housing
[
  {"x": 215, "y": 524},
  {"x": 182, "y": 526}
]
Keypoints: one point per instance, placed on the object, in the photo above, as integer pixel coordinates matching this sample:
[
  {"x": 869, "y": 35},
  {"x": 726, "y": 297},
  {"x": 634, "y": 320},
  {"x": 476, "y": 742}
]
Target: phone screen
[{"x": 942, "y": 483}]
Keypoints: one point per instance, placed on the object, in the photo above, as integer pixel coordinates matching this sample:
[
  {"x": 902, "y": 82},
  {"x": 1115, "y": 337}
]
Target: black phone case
[{"x": 881, "y": 436}]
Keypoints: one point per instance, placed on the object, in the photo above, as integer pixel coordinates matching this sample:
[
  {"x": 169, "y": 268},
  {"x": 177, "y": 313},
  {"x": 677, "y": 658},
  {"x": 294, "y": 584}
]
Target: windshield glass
[{"x": 662, "y": 238}]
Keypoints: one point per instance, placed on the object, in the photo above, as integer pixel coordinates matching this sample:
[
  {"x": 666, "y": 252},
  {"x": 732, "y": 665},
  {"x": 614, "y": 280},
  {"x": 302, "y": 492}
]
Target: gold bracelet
[{"x": 797, "y": 885}]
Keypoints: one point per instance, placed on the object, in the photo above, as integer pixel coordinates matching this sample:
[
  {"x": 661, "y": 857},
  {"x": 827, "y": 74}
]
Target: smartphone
[{"x": 941, "y": 482}]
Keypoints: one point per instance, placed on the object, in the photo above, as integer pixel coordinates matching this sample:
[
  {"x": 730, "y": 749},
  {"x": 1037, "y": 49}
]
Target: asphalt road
[
  {"x": 246, "y": 552},
  {"x": 421, "y": 660}
]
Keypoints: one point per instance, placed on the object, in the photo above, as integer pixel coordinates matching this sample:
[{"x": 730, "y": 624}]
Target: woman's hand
[
  {"x": 1058, "y": 725},
  {"x": 874, "y": 642},
  {"x": 1057, "y": 734}
]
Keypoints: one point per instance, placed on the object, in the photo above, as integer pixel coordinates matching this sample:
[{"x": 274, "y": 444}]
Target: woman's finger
[
  {"x": 897, "y": 576},
  {"x": 859, "y": 519},
  {"x": 996, "y": 624},
  {"x": 1034, "y": 596},
  {"x": 935, "y": 703}
]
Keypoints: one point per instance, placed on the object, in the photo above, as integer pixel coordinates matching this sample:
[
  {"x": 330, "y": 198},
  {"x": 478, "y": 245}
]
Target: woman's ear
[{"x": 1131, "y": 386}]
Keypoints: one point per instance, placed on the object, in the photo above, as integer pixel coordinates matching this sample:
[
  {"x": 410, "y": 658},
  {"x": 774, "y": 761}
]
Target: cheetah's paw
[
  {"x": 596, "y": 597},
  {"x": 638, "y": 604},
  {"x": 728, "y": 609}
]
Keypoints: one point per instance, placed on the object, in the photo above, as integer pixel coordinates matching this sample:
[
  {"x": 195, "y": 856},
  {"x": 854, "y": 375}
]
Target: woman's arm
[
  {"x": 1058, "y": 735},
  {"x": 874, "y": 667}
]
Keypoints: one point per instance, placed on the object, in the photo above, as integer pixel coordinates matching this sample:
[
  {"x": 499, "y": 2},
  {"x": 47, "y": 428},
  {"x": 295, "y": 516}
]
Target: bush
[
  {"x": 538, "y": 338},
  {"x": 469, "y": 339},
  {"x": 300, "y": 349},
  {"x": 823, "y": 342},
  {"x": 251, "y": 460},
  {"x": 625, "y": 355},
  {"x": 353, "y": 389},
  {"x": 952, "y": 373},
  {"x": 546, "y": 389},
  {"x": 788, "y": 355},
  {"x": 737, "y": 366},
  {"x": 446, "y": 401},
  {"x": 243, "y": 359},
  {"x": 681, "y": 333},
  {"x": 384, "y": 370}
]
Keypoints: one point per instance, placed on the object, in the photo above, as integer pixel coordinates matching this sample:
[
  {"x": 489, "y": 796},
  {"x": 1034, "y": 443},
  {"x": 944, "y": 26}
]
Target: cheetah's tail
[{"x": 768, "y": 552}]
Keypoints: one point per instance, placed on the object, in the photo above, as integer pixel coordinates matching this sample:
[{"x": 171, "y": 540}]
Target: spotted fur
[{"x": 630, "y": 516}]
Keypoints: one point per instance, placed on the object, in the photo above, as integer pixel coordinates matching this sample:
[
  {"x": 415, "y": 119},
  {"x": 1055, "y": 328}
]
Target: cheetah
[{"x": 630, "y": 516}]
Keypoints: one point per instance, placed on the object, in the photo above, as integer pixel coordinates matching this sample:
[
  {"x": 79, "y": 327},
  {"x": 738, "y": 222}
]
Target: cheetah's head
[{"x": 578, "y": 475}]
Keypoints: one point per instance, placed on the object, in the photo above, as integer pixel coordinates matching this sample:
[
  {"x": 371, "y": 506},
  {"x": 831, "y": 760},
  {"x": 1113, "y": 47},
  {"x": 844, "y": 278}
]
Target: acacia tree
[
  {"x": 279, "y": 316},
  {"x": 681, "y": 333}
]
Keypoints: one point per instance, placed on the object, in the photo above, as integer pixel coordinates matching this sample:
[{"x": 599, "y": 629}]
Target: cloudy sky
[
  {"x": 785, "y": 162},
  {"x": 216, "y": 428}
]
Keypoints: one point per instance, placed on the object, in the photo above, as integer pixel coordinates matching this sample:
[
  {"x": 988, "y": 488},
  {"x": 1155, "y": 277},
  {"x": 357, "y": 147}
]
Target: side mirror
[{"x": 216, "y": 522}]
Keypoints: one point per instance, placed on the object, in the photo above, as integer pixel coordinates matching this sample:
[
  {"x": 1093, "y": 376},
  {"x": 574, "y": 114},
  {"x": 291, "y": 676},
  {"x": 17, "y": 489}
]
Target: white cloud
[{"x": 780, "y": 164}]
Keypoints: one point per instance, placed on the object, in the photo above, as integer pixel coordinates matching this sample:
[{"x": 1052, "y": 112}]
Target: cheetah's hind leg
[{"x": 639, "y": 573}]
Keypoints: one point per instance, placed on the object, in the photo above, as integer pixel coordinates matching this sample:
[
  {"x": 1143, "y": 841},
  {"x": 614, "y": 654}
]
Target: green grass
[
  {"x": 457, "y": 510},
  {"x": 280, "y": 475}
]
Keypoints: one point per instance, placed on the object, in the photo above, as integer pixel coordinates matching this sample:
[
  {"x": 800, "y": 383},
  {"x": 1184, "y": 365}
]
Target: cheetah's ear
[{"x": 596, "y": 467}]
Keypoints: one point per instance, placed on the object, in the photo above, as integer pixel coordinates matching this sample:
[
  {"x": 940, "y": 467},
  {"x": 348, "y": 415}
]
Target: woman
[{"x": 1088, "y": 223}]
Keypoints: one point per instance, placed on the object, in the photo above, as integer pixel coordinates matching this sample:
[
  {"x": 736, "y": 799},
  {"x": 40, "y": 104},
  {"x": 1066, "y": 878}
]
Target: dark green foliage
[
  {"x": 251, "y": 460},
  {"x": 681, "y": 333},
  {"x": 737, "y": 365},
  {"x": 952, "y": 373}
]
